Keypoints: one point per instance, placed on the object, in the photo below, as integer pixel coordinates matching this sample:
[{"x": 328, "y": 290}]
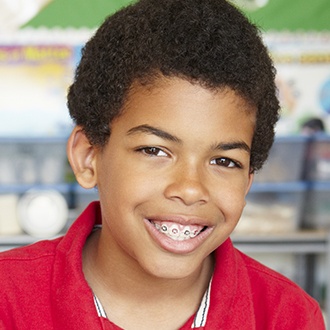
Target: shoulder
[
  {"x": 40, "y": 248},
  {"x": 264, "y": 275},
  {"x": 265, "y": 278},
  {"x": 28, "y": 261},
  {"x": 278, "y": 297},
  {"x": 26, "y": 275},
  {"x": 27, "y": 271}
]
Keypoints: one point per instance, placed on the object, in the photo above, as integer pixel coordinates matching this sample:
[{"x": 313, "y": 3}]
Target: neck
[
  {"x": 116, "y": 273},
  {"x": 123, "y": 284}
]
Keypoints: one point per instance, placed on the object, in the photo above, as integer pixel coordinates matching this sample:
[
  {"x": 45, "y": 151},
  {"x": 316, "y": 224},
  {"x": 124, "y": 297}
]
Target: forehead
[{"x": 178, "y": 105}]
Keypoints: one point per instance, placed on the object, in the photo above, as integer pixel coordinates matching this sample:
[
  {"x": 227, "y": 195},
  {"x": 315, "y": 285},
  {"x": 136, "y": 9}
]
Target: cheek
[
  {"x": 231, "y": 201},
  {"x": 118, "y": 183}
]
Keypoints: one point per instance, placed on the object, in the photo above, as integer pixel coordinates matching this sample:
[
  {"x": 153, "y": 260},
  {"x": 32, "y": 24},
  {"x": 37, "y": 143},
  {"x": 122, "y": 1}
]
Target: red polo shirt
[{"x": 43, "y": 287}]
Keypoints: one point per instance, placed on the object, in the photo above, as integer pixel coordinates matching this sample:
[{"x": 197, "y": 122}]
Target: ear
[
  {"x": 249, "y": 184},
  {"x": 250, "y": 181},
  {"x": 82, "y": 158}
]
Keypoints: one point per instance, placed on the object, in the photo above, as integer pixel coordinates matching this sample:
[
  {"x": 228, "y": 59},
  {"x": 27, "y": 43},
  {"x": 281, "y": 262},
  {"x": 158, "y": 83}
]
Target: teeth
[{"x": 177, "y": 232}]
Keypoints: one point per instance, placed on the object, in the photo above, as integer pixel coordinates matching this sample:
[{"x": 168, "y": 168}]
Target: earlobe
[
  {"x": 251, "y": 176},
  {"x": 81, "y": 155}
]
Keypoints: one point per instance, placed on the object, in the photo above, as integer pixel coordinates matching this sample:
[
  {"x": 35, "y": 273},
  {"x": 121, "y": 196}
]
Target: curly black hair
[{"x": 209, "y": 42}]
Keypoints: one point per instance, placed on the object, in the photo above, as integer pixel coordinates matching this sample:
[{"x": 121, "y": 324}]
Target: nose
[{"x": 187, "y": 185}]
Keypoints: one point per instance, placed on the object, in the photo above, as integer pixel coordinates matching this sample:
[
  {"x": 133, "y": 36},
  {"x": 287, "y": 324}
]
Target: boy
[{"x": 175, "y": 105}]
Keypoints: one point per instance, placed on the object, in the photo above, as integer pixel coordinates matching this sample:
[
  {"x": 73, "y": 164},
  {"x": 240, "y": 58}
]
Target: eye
[
  {"x": 225, "y": 162},
  {"x": 153, "y": 151}
]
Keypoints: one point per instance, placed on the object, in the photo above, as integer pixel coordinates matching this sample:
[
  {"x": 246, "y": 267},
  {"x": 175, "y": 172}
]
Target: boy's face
[{"x": 173, "y": 177}]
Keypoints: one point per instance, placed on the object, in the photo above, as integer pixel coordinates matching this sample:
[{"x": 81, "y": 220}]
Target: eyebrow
[
  {"x": 155, "y": 131},
  {"x": 232, "y": 145},
  {"x": 167, "y": 136}
]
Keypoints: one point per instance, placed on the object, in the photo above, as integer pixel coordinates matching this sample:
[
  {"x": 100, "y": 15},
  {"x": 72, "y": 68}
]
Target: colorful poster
[
  {"x": 34, "y": 81},
  {"x": 33, "y": 85},
  {"x": 303, "y": 77}
]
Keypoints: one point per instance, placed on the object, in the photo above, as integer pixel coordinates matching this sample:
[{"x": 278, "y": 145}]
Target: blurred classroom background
[{"x": 286, "y": 222}]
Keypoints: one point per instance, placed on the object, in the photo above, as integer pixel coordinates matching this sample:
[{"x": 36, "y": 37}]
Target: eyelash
[
  {"x": 226, "y": 162},
  {"x": 151, "y": 151},
  {"x": 222, "y": 161}
]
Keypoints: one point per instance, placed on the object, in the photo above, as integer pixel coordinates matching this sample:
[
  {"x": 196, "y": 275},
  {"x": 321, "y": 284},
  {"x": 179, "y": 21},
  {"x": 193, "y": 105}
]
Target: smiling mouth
[{"x": 178, "y": 232}]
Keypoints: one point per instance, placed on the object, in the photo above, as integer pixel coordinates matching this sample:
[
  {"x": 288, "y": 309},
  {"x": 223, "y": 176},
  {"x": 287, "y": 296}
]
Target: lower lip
[{"x": 178, "y": 247}]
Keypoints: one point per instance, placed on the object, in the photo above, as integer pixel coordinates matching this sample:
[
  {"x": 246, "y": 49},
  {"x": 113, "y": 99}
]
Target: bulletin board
[{"x": 39, "y": 61}]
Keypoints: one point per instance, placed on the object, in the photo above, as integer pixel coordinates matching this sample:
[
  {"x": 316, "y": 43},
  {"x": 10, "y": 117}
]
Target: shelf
[
  {"x": 256, "y": 187},
  {"x": 304, "y": 241},
  {"x": 280, "y": 186},
  {"x": 18, "y": 240},
  {"x": 319, "y": 186},
  {"x": 22, "y": 188}
]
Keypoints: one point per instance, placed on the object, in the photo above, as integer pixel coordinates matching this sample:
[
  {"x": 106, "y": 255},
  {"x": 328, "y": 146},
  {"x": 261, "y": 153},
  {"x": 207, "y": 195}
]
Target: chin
[{"x": 174, "y": 267}]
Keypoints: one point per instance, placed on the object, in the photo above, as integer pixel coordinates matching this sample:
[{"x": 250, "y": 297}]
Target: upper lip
[{"x": 184, "y": 220}]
